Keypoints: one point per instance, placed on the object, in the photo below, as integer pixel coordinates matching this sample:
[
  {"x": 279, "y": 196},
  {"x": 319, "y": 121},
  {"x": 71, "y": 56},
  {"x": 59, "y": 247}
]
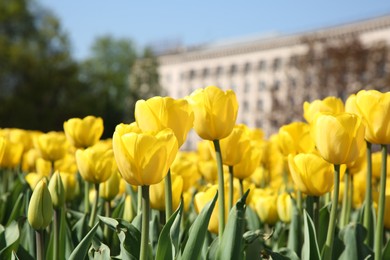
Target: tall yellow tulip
[
  {"x": 215, "y": 112},
  {"x": 295, "y": 138},
  {"x": 157, "y": 193},
  {"x": 144, "y": 158},
  {"x": 331, "y": 105},
  {"x": 235, "y": 146},
  {"x": 82, "y": 133},
  {"x": 52, "y": 146},
  {"x": 158, "y": 113}
]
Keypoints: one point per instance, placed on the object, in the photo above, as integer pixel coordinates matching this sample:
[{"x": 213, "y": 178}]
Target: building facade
[{"x": 267, "y": 74}]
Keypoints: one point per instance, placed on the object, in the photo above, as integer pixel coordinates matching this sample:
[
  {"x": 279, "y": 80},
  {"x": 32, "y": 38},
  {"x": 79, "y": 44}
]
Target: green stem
[
  {"x": 145, "y": 223},
  {"x": 241, "y": 188},
  {"x": 168, "y": 195},
  {"x": 86, "y": 197},
  {"x": 40, "y": 245},
  {"x": 381, "y": 206},
  {"x": 344, "y": 210},
  {"x": 328, "y": 248},
  {"x": 316, "y": 213},
  {"x": 367, "y": 218},
  {"x": 299, "y": 201},
  {"x": 221, "y": 189},
  {"x": 56, "y": 230},
  {"x": 350, "y": 196},
  {"x": 231, "y": 186},
  {"x": 139, "y": 200},
  {"x": 107, "y": 209},
  {"x": 94, "y": 206}
]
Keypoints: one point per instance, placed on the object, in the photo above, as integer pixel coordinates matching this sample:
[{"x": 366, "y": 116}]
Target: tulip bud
[
  {"x": 284, "y": 207},
  {"x": 40, "y": 209},
  {"x": 109, "y": 189},
  {"x": 57, "y": 190},
  {"x": 128, "y": 212}
]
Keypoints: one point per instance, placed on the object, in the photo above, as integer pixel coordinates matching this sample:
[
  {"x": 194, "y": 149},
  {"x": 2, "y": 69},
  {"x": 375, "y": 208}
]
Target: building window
[
  {"x": 218, "y": 71},
  {"x": 247, "y": 87},
  {"x": 247, "y": 67},
  {"x": 205, "y": 72},
  {"x": 246, "y": 106},
  {"x": 259, "y": 123},
  {"x": 262, "y": 85},
  {"x": 259, "y": 105},
  {"x": 276, "y": 85},
  {"x": 277, "y": 64},
  {"x": 262, "y": 65},
  {"x": 293, "y": 61},
  {"x": 191, "y": 74},
  {"x": 233, "y": 69}
]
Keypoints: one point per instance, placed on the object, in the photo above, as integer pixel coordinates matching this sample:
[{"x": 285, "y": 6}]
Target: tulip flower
[
  {"x": 110, "y": 188},
  {"x": 237, "y": 139},
  {"x": 11, "y": 154},
  {"x": 52, "y": 146},
  {"x": 295, "y": 138},
  {"x": 57, "y": 190},
  {"x": 158, "y": 113},
  {"x": 83, "y": 133},
  {"x": 157, "y": 193},
  {"x": 266, "y": 208},
  {"x": 128, "y": 211},
  {"x": 284, "y": 207},
  {"x": 330, "y": 105},
  {"x": 71, "y": 185},
  {"x": 185, "y": 165}
]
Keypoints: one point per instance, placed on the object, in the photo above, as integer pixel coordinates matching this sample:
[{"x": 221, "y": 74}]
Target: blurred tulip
[
  {"x": 311, "y": 173},
  {"x": 295, "y": 138},
  {"x": 376, "y": 164},
  {"x": 52, "y": 146},
  {"x": 235, "y": 146},
  {"x": 266, "y": 208},
  {"x": 57, "y": 190},
  {"x": 284, "y": 207},
  {"x": 2, "y": 147},
  {"x": 158, "y": 113},
  {"x": 12, "y": 154},
  {"x": 157, "y": 193},
  {"x": 329, "y": 105},
  {"x": 83, "y": 133},
  {"x": 248, "y": 164},
  {"x": 33, "y": 178},
  {"x": 29, "y": 160},
  {"x": 71, "y": 185},
  {"x": 128, "y": 211},
  {"x": 205, "y": 150},
  {"x": 95, "y": 164},
  {"x": 215, "y": 112},
  {"x": 338, "y": 138},
  {"x": 40, "y": 208},
  {"x": 110, "y": 188},
  {"x": 184, "y": 165},
  {"x": 144, "y": 158},
  {"x": 208, "y": 169}
]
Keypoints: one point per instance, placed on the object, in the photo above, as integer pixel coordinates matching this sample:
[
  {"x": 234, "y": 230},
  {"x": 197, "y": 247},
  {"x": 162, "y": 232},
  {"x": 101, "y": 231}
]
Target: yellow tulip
[
  {"x": 2, "y": 147},
  {"x": 185, "y": 166},
  {"x": 29, "y": 160},
  {"x": 208, "y": 169},
  {"x": 284, "y": 207},
  {"x": 83, "y": 133},
  {"x": 110, "y": 188},
  {"x": 67, "y": 164},
  {"x": 338, "y": 138},
  {"x": 128, "y": 211},
  {"x": 57, "y": 190},
  {"x": 215, "y": 112},
  {"x": 376, "y": 164},
  {"x": 205, "y": 150},
  {"x": 158, "y": 113},
  {"x": 157, "y": 193},
  {"x": 144, "y": 158},
  {"x": 295, "y": 138},
  {"x": 95, "y": 164},
  {"x": 235, "y": 146},
  {"x": 43, "y": 167},
  {"x": 40, "y": 208},
  {"x": 374, "y": 107},
  {"x": 329, "y": 105},
  {"x": 33, "y": 178},
  {"x": 311, "y": 173},
  {"x": 21, "y": 136},
  {"x": 266, "y": 208},
  {"x": 12, "y": 154},
  {"x": 52, "y": 146},
  {"x": 248, "y": 164},
  {"x": 71, "y": 185},
  {"x": 387, "y": 210}
]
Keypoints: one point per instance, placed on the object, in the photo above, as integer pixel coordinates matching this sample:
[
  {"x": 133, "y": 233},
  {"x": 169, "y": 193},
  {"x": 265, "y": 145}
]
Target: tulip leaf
[
  {"x": 9, "y": 240},
  {"x": 295, "y": 232},
  {"x": 213, "y": 249},
  {"x": 324, "y": 217},
  {"x": 80, "y": 229},
  {"x": 353, "y": 236},
  {"x": 137, "y": 221},
  {"x": 283, "y": 253},
  {"x": 310, "y": 248},
  {"x": 16, "y": 210},
  {"x": 118, "y": 211},
  {"x": 231, "y": 246},
  {"x": 165, "y": 241},
  {"x": 82, "y": 248},
  {"x": 99, "y": 251},
  {"x": 253, "y": 221},
  {"x": 130, "y": 240},
  {"x": 386, "y": 251},
  {"x": 110, "y": 222},
  {"x": 197, "y": 233},
  {"x": 175, "y": 229}
]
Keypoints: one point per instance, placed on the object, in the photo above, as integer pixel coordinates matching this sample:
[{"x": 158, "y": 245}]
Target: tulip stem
[
  {"x": 40, "y": 245},
  {"x": 168, "y": 195},
  {"x": 107, "y": 212},
  {"x": 367, "y": 219},
  {"x": 313, "y": 208},
  {"x": 241, "y": 188},
  {"x": 344, "y": 210},
  {"x": 94, "y": 206},
  {"x": 381, "y": 206},
  {"x": 145, "y": 223},
  {"x": 231, "y": 186},
  {"x": 56, "y": 233},
  {"x": 221, "y": 190},
  {"x": 86, "y": 197},
  {"x": 350, "y": 196},
  {"x": 139, "y": 200},
  {"x": 328, "y": 248}
]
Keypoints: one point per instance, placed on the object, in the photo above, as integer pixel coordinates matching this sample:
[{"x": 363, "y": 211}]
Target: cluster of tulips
[{"x": 314, "y": 190}]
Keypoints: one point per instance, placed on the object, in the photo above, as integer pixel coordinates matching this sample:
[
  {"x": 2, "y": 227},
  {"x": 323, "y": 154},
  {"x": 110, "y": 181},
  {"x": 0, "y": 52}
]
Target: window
[
  {"x": 245, "y": 106},
  {"x": 277, "y": 64},
  {"x": 233, "y": 69},
  {"x": 191, "y": 74},
  {"x": 259, "y": 104},
  {"x": 262, "y": 65},
  {"x": 247, "y": 87},
  {"x": 218, "y": 71},
  {"x": 276, "y": 85},
  {"x": 293, "y": 61},
  {"x": 262, "y": 85},
  {"x": 205, "y": 72},
  {"x": 247, "y": 67}
]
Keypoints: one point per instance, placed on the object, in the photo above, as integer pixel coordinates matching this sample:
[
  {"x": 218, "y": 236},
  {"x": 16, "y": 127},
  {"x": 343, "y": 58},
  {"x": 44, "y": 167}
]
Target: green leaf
[
  {"x": 17, "y": 209},
  {"x": 231, "y": 242},
  {"x": 386, "y": 251},
  {"x": 323, "y": 225},
  {"x": 283, "y": 254},
  {"x": 175, "y": 229},
  {"x": 10, "y": 236},
  {"x": 253, "y": 221},
  {"x": 137, "y": 222},
  {"x": 353, "y": 236},
  {"x": 165, "y": 244},
  {"x": 213, "y": 250},
  {"x": 118, "y": 210},
  {"x": 310, "y": 248},
  {"x": 130, "y": 240},
  {"x": 99, "y": 251},
  {"x": 81, "y": 249},
  {"x": 80, "y": 229},
  {"x": 110, "y": 222},
  {"x": 197, "y": 233},
  {"x": 295, "y": 232}
]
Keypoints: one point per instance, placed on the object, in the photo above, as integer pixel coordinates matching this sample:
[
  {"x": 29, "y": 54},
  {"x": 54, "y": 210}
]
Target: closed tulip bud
[
  {"x": 110, "y": 188},
  {"x": 40, "y": 209},
  {"x": 128, "y": 211},
  {"x": 295, "y": 138},
  {"x": 248, "y": 164},
  {"x": 215, "y": 112},
  {"x": 95, "y": 164},
  {"x": 311, "y": 173},
  {"x": 329, "y": 105},
  {"x": 144, "y": 158},
  {"x": 158, "y": 113},
  {"x": 83, "y": 133},
  {"x": 57, "y": 190},
  {"x": 266, "y": 209},
  {"x": 157, "y": 193},
  {"x": 338, "y": 138},
  {"x": 12, "y": 154},
  {"x": 52, "y": 146},
  {"x": 374, "y": 107},
  {"x": 284, "y": 207},
  {"x": 235, "y": 146}
]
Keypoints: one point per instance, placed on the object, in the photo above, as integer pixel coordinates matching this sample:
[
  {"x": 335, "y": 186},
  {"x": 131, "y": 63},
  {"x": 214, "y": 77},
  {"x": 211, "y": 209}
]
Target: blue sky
[{"x": 199, "y": 21}]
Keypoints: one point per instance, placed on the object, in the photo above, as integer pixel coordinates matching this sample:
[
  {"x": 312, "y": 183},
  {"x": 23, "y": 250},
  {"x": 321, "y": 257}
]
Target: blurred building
[{"x": 272, "y": 76}]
